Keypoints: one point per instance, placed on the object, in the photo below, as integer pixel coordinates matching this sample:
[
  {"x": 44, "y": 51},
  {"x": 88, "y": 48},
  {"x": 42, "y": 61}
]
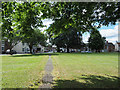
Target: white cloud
[
  {"x": 46, "y": 22},
  {"x": 85, "y": 37},
  {"x": 110, "y": 34}
]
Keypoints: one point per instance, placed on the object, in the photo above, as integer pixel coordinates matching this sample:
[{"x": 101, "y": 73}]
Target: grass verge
[
  {"x": 23, "y": 71},
  {"x": 76, "y": 70}
]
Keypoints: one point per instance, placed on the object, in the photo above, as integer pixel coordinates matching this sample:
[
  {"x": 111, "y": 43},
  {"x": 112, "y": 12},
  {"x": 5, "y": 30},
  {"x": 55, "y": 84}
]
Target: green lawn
[
  {"x": 20, "y": 71},
  {"x": 76, "y": 70},
  {"x": 71, "y": 70}
]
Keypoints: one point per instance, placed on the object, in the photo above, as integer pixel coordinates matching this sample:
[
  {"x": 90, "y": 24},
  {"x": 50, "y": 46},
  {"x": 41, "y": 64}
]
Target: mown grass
[
  {"x": 76, "y": 70},
  {"x": 20, "y": 71}
]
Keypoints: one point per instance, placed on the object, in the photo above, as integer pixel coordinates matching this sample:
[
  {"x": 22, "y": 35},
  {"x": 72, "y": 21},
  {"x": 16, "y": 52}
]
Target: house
[
  {"x": 21, "y": 48},
  {"x": 50, "y": 48},
  {"x": 109, "y": 47},
  {"x": 0, "y": 47},
  {"x": 4, "y": 46},
  {"x": 39, "y": 48},
  {"x": 24, "y": 48},
  {"x": 117, "y": 46}
]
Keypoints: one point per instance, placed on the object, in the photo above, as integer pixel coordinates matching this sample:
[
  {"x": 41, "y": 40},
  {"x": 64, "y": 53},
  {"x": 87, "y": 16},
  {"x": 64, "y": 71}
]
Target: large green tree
[
  {"x": 71, "y": 38},
  {"x": 37, "y": 37},
  {"x": 96, "y": 41},
  {"x": 9, "y": 31},
  {"x": 84, "y": 16},
  {"x": 19, "y": 19}
]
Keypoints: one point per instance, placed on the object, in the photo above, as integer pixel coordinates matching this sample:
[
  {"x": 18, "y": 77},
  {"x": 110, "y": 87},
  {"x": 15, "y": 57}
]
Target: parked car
[
  {"x": 86, "y": 52},
  {"x": 72, "y": 51},
  {"x": 13, "y": 51},
  {"x": 3, "y": 52},
  {"x": 82, "y": 51},
  {"x": 46, "y": 51}
]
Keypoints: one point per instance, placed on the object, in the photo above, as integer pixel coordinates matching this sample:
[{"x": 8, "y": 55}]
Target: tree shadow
[
  {"x": 28, "y": 55},
  {"x": 90, "y": 81}
]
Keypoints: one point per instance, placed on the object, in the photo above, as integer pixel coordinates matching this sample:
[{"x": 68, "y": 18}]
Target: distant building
[
  {"x": 39, "y": 48},
  {"x": 117, "y": 46},
  {"x": 4, "y": 45},
  {"x": 109, "y": 47},
  {"x": 50, "y": 48},
  {"x": 21, "y": 48},
  {"x": 0, "y": 47}
]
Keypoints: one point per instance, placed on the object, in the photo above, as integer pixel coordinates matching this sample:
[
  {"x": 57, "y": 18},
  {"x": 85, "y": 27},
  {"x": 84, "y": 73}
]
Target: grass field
[
  {"x": 20, "y": 71},
  {"x": 71, "y": 70},
  {"x": 95, "y": 70}
]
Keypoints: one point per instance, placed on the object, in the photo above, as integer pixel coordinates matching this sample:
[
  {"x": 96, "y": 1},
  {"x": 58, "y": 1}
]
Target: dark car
[
  {"x": 3, "y": 52},
  {"x": 46, "y": 51},
  {"x": 13, "y": 52}
]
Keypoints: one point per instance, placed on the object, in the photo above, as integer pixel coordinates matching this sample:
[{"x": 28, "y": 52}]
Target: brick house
[{"x": 109, "y": 47}]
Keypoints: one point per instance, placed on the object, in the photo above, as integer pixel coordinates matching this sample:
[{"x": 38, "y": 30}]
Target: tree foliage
[
  {"x": 84, "y": 16},
  {"x": 9, "y": 31},
  {"x": 19, "y": 19},
  {"x": 96, "y": 41},
  {"x": 71, "y": 38},
  {"x": 36, "y": 38}
]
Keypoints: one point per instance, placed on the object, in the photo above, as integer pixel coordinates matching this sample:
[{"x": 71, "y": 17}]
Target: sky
[{"x": 110, "y": 32}]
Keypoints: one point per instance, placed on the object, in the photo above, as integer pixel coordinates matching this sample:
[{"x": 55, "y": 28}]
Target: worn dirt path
[{"x": 47, "y": 78}]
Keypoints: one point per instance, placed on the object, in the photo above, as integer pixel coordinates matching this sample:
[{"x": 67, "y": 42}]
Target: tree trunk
[
  {"x": 11, "y": 51},
  {"x": 96, "y": 51},
  {"x": 67, "y": 49},
  {"x": 30, "y": 46},
  {"x": 58, "y": 49}
]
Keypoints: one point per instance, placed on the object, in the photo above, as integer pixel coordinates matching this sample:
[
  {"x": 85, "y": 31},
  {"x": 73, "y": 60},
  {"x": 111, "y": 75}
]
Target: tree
[
  {"x": 9, "y": 32},
  {"x": 36, "y": 38},
  {"x": 69, "y": 39},
  {"x": 82, "y": 15},
  {"x": 19, "y": 20},
  {"x": 29, "y": 17},
  {"x": 96, "y": 41}
]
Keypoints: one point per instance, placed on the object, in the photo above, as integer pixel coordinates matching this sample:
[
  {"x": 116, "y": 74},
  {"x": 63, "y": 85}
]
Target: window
[
  {"x": 3, "y": 43},
  {"x": 23, "y": 49},
  {"x": 2, "y": 48}
]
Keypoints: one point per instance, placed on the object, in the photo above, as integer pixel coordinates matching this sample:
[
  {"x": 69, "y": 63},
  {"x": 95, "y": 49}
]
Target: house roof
[
  {"x": 118, "y": 43},
  {"x": 111, "y": 44}
]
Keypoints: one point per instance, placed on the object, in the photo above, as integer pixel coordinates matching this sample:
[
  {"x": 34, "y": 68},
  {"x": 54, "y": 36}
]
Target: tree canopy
[
  {"x": 84, "y": 16},
  {"x": 36, "y": 38},
  {"x": 20, "y": 19},
  {"x": 96, "y": 41},
  {"x": 71, "y": 38}
]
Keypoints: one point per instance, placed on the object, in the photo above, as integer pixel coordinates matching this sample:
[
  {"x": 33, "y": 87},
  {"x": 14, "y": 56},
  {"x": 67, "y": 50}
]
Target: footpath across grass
[
  {"x": 20, "y": 71},
  {"x": 77, "y": 70}
]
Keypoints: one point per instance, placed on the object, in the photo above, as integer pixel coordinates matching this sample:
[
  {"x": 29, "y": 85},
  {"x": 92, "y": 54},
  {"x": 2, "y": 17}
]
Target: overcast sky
[{"x": 110, "y": 32}]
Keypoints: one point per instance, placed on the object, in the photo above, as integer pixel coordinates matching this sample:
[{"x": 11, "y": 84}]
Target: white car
[
  {"x": 83, "y": 51},
  {"x": 86, "y": 52}
]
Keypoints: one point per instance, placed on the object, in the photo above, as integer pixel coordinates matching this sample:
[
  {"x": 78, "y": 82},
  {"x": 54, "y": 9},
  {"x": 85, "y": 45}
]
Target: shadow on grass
[
  {"x": 91, "y": 81},
  {"x": 27, "y": 55}
]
